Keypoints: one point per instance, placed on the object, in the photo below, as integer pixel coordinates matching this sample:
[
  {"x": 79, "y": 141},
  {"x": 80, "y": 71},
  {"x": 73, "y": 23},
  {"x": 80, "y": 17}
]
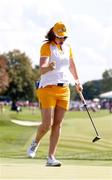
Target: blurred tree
[
  {"x": 36, "y": 73},
  {"x": 4, "y": 78},
  {"x": 21, "y": 76},
  {"x": 72, "y": 92},
  {"x": 107, "y": 80},
  {"x": 92, "y": 89}
]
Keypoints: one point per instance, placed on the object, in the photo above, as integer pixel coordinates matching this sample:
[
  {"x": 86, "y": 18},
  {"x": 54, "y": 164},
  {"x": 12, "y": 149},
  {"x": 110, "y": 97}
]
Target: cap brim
[{"x": 62, "y": 34}]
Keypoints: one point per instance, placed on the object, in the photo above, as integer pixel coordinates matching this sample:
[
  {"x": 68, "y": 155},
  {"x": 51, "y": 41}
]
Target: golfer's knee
[
  {"x": 45, "y": 127},
  {"x": 57, "y": 125}
]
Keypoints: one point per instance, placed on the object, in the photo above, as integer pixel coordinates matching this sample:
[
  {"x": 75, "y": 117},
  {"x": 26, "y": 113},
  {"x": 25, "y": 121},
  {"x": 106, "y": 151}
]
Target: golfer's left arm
[{"x": 73, "y": 71}]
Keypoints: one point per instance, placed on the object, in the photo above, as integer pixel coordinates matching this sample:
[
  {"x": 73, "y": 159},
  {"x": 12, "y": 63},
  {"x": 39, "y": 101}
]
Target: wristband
[{"x": 77, "y": 81}]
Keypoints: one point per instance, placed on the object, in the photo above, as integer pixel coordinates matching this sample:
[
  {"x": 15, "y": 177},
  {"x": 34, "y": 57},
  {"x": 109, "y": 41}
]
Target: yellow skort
[{"x": 52, "y": 96}]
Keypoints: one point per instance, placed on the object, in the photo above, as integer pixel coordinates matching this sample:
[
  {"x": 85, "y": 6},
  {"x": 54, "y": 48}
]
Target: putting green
[{"x": 38, "y": 171}]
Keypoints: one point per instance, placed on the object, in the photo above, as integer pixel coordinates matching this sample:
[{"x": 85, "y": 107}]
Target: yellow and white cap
[{"x": 60, "y": 30}]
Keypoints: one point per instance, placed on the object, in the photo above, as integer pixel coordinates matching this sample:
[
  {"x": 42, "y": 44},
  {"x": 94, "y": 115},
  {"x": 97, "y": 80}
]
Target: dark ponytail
[{"x": 50, "y": 36}]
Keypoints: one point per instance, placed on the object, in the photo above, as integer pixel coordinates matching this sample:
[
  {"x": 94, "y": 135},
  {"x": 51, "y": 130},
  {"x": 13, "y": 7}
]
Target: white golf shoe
[
  {"x": 53, "y": 162},
  {"x": 33, "y": 149}
]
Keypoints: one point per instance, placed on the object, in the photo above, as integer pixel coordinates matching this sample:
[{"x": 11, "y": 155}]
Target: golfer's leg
[
  {"x": 47, "y": 121},
  {"x": 56, "y": 129}
]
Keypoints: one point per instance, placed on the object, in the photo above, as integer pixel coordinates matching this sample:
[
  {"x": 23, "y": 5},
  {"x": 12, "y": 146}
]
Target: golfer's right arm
[
  {"x": 45, "y": 66},
  {"x": 73, "y": 71}
]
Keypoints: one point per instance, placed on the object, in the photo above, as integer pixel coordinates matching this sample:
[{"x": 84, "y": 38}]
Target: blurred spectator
[
  {"x": 110, "y": 106},
  {"x": 15, "y": 107}
]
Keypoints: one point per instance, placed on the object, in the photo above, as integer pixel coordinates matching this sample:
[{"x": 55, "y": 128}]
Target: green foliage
[
  {"x": 36, "y": 73},
  {"x": 4, "y": 79},
  {"x": 72, "y": 92},
  {"x": 107, "y": 80},
  {"x": 92, "y": 89},
  {"x": 20, "y": 75},
  {"x": 107, "y": 74}
]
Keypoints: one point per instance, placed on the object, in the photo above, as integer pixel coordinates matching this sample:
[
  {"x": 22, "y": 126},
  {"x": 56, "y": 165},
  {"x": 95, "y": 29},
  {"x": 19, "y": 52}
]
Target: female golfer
[{"x": 53, "y": 93}]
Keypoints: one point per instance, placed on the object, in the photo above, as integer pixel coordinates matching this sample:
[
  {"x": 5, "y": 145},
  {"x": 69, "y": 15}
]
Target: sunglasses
[{"x": 61, "y": 38}]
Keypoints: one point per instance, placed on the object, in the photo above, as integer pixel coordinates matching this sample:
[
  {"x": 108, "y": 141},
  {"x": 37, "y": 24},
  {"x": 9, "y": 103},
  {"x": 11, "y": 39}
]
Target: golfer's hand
[
  {"x": 78, "y": 87},
  {"x": 52, "y": 65}
]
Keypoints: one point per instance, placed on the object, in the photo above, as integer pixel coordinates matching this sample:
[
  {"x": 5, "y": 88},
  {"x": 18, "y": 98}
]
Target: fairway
[{"x": 81, "y": 158}]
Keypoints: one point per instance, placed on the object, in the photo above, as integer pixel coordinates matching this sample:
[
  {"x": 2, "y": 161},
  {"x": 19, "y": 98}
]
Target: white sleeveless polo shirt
[{"x": 61, "y": 73}]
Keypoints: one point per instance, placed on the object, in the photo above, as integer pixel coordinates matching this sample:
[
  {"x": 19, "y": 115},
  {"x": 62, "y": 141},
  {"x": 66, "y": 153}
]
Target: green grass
[{"x": 75, "y": 141}]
